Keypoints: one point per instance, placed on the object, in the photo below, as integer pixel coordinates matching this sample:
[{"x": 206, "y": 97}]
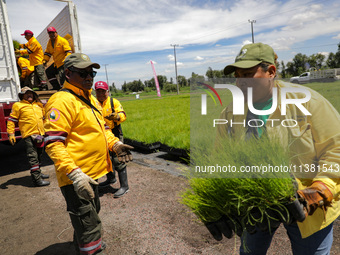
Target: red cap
[
  {"x": 101, "y": 85},
  {"x": 51, "y": 29},
  {"x": 27, "y": 32}
]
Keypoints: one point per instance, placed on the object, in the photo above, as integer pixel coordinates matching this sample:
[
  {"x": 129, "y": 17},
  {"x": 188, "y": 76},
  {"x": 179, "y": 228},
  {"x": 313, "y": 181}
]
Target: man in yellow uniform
[
  {"x": 78, "y": 142},
  {"x": 26, "y": 72},
  {"x": 36, "y": 55},
  {"x": 29, "y": 114},
  {"x": 58, "y": 48},
  {"x": 314, "y": 142},
  {"x": 113, "y": 114}
]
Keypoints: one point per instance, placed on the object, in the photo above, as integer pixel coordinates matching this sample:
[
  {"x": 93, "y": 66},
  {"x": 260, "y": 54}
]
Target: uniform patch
[{"x": 54, "y": 114}]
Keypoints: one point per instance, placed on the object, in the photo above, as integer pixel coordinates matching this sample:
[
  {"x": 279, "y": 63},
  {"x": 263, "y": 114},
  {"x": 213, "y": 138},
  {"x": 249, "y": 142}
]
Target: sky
[{"x": 124, "y": 36}]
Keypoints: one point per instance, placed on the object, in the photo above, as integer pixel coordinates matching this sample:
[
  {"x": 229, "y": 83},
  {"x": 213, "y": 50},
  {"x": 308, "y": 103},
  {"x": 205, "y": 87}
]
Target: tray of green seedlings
[{"x": 245, "y": 198}]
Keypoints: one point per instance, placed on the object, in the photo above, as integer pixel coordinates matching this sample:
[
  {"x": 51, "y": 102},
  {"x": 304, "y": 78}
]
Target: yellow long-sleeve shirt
[
  {"x": 107, "y": 110},
  {"x": 34, "y": 50},
  {"x": 25, "y": 66},
  {"x": 29, "y": 117},
  {"x": 76, "y": 135},
  {"x": 60, "y": 50}
]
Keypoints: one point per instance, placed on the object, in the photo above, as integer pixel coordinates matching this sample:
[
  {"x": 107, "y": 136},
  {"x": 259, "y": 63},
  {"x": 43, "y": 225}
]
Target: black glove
[{"x": 223, "y": 226}]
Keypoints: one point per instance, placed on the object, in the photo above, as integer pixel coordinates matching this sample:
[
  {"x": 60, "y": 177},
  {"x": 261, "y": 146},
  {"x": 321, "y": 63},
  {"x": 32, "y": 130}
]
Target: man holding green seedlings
[{"x": 312, "y": 131}]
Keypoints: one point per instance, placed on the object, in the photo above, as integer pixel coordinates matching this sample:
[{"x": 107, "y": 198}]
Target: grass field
[{"x": 167, "y": 119}]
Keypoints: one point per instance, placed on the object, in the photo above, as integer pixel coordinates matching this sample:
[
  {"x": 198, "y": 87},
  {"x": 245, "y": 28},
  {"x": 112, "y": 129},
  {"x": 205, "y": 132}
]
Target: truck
[
  {"x": 66, "y": 23},
  {"x": 327, "y": 75}
]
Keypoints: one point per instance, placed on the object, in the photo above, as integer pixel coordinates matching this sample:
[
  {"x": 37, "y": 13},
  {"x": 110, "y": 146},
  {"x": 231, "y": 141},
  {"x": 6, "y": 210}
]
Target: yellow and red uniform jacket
[
  {"x": 25, "y": 66},
  {"x": 76, "y": 135},
  {"x": 314, "y": 140},
  {"x": 107, "y": 110},
  {"x": 59, "y": 52},
  {"x": 34, "y": 50},
  {"x": 29, "y": 117}
]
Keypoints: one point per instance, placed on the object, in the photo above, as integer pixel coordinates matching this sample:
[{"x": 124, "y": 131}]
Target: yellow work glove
[
  {"x": 12, "y": 139},
  {"x": 81, "y": 184},
  {"x": 123, "y": 151},
  {"x": 113, "y": 116}
]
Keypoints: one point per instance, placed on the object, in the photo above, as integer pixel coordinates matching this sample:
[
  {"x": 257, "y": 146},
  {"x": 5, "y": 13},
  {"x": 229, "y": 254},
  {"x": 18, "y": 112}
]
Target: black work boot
[
  {"x": 37, "y": 180},
  {"x": 124, "y": 187},
  {"x": 45, "y": 176},
  {"x": 110, "y": 179}
]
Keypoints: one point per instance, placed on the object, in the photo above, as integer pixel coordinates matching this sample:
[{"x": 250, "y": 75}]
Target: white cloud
[
  {"x": 216, "y": 30},
  {"x": 171, "y": 57},
  {"x": 336, "y": 37}
]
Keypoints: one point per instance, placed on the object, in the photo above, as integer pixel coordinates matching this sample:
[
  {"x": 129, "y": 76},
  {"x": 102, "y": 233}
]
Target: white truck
[
  {"x": 65, "y": 22},
  {"x": 327, "y": 75}
]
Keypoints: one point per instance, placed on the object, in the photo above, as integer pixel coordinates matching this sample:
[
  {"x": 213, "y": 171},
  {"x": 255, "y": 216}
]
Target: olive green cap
[
  {"x": 252, "y": 55},
  {"x": 79, "y": 60}
]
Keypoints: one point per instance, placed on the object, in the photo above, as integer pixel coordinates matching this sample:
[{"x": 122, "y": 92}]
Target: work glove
[
  {"x": 113, "y": 116},
  {"x": 223, "y": 226},
  {"x": 81, "y": 184},
  {"x": 12, "y": 139},
  {"x": 22, "y": 46},
  {"x": 317, "y": 195},
  {"x": 123, "y": 151},
  {"x": 38, "y": 138}
]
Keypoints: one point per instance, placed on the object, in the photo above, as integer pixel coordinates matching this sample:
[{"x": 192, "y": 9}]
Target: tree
[
  {"x": 283, "y": 70},
  {"x": 333, "y": 60},
  {"x": 113, "y": 88},
  {"x": 182, "y": 81},
  {"x": 316, "y": 60}
]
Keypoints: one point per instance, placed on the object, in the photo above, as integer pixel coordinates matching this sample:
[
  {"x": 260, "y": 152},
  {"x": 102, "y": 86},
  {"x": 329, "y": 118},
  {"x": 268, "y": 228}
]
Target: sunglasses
[{"x": 83, "y": 73}]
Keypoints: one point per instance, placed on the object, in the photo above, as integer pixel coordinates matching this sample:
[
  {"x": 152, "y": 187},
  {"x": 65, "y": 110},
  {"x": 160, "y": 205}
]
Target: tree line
[{"x": 299, "y": 64}]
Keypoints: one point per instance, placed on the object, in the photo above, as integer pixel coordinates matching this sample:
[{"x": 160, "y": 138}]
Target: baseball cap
[
  {"x": 252, "y": 55},
  {"x": 27, "y": 32},
  {"x": 51, "y": 29},
  {"x": 79, "y": 60},
  {"x": 101, "y": 85}
]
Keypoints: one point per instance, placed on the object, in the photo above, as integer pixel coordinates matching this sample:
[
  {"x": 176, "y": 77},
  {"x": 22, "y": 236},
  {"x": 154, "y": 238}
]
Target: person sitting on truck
[
  {"x": 78, "y": 141},
  {"x": 36, "y": 55},
  {"x": 113, "y": 114},
  {"x": 26, "y": 72},
  {"x": 59, "y": 48},
  {"x": 29, "y": 113}
]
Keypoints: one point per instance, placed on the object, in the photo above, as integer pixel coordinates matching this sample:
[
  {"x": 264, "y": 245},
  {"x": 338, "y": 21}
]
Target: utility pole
[
  {"x": 252, "y": 29},
  {"x": 174, "y": 45},
  {"x": 107, "y": 79}
]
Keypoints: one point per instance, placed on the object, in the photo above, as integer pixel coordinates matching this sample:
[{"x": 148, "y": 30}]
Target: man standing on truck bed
[
  {"x": 59, "y": 48},
  {"x": 29, "y": 114},
  {"x": 36, "y": 55},
  {"x": 78, "y": 142},
  {"x": 113, "y": 114}
]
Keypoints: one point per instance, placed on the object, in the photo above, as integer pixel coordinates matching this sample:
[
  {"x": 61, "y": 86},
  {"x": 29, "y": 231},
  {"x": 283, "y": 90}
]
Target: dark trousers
[
  {"x": 85, "y": 220},
  {"x": 55, "y": 76},
  {"x": 33, "y": 153}
]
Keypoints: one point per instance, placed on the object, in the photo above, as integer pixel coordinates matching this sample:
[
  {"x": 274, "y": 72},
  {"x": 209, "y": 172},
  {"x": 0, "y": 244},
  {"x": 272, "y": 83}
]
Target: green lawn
[{"x": 167, "y": 119}]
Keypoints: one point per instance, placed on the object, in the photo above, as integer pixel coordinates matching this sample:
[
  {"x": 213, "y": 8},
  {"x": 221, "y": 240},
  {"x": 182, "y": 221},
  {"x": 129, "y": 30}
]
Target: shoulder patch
[{"x": 54, "y": 114}]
